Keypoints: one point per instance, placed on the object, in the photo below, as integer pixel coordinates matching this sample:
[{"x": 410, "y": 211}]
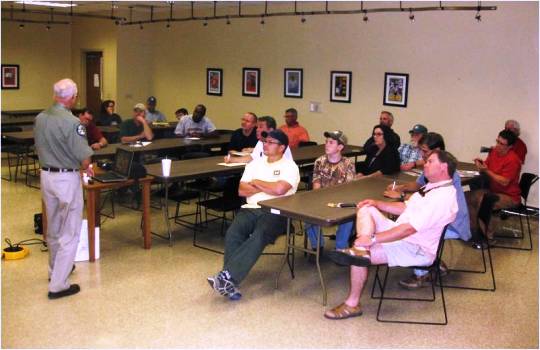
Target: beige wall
[
  {"x": 466, "y": 77},
  {"x": 91, "y": 35},
  {"x": 44, "y": 57}
]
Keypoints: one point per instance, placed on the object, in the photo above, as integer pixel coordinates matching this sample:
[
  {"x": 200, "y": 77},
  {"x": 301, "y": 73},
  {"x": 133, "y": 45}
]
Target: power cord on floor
[{"x": 17, "y": 250}]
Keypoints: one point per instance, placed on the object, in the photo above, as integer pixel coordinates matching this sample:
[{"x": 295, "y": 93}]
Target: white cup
[{"x": 166, "y": 167}]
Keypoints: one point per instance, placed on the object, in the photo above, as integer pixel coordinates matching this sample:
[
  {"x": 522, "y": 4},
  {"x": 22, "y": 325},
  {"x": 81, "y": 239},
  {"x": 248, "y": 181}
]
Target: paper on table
[
  {"x": 412, "y": 173},
  {"x": 232, "y": 164},
  {"x": 239, "y": 154},
  {"x": 192, "y": 138},
  {"x": 146, "y": 143},
  {"x": 468, "y": 173}
]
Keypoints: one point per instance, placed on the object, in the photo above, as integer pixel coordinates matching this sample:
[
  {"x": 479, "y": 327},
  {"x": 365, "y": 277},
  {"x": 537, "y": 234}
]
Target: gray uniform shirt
[
  {"x": 60, "y": 139},
  {"x": 157, "y": 116}
]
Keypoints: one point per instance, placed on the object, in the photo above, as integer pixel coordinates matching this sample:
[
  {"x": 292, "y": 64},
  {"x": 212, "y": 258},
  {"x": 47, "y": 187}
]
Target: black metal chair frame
[
  {"x": 434, "y": 268},
  {"x": 525, "y": 184},
  {"x": 483, "y": 271}
]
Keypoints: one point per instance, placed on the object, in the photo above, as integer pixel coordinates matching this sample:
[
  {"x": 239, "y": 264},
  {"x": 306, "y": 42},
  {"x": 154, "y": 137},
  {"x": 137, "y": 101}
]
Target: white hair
[
  {"x": 514, "y": 123},
  {"x": 65, "y": 88}
]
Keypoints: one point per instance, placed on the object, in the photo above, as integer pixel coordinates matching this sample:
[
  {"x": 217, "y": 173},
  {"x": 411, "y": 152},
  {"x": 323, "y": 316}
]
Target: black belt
[{"x": 57, "y": 170}]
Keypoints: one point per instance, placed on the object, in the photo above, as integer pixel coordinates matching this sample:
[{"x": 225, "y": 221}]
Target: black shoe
[
  {"x": 351, "y": 256},
  {"x": 72, "y": 269},
  {"x": 73, "y": 289}
]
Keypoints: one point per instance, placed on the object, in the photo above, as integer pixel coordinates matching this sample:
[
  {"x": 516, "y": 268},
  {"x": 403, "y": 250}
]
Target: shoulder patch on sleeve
[{"x": 81, "y": 130}]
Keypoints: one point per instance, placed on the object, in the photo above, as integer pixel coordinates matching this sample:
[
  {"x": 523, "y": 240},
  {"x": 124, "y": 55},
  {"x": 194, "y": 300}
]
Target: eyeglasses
[
  {"x": 271, "y": 142},
  {"x": 500, "y": 143},
  {"x": 377, "y": 134}
]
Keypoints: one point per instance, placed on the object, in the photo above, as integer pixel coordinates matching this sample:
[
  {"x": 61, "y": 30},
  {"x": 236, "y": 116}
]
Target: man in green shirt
[{"x": 136, "y": 129}]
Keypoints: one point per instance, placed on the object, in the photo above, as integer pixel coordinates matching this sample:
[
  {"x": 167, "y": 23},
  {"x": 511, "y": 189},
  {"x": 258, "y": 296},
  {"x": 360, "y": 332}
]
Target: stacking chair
[
  {"x": 306, "y": 171},
  {"x": 434, "y": 270},
  {"x": 12, "y": 149},
  {"x": 525, "y": 184}
]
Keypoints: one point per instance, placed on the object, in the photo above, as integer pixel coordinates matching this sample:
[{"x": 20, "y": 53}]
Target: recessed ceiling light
[{"x": 46, "y": 3}]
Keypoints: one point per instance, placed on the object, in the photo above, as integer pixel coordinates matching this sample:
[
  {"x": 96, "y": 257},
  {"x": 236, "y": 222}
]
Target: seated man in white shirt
[
  {"x": 264, "y": 124},
  {"x": 253, "y": 229},
  {"x": 412, "y": 240}
]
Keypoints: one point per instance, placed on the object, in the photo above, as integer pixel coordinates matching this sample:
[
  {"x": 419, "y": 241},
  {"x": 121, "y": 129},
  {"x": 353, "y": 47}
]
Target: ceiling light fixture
[
  {"x": 205, "y": 21},
  {"x": 303, "y": 20},
  {"x": 48, "y": 27},
  {"x": 21, "y": 26},
  {"x": 228, "y": 20},
  {"x": 46, "y": 3},
  {"x": 478, "y": 17},
  {"x": 262, "y": 20},
  {"x": 365, "y": 18},
  {"x": 141, "y": 26}
]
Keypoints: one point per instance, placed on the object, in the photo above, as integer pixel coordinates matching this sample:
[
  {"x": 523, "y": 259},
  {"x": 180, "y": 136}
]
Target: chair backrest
[
  {"x": 11, "y": 128},
  {"x": 307, "y": 143},
  {"x": 525, "y": 184}
]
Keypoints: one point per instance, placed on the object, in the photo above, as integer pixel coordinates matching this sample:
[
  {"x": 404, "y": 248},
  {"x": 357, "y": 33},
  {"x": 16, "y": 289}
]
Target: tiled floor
[{"x": 159, "y": 298}]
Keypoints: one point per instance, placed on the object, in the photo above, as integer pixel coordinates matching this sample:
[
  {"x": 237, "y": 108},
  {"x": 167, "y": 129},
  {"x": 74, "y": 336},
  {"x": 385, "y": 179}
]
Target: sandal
[
  {"x": 343, "y": 311},
  {"x": 351, "y": 256}
]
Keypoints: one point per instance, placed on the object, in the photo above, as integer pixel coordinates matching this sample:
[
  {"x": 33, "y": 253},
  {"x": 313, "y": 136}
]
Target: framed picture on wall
[
  {"x": 340, "y": 86},
  {"x": 214, "y": 81},
  {"x": 251, "y": 82},
  {"x": 293, "y": 80},
  {"x": 396, "y": 89},
  {"x": 10, "y": 76}
]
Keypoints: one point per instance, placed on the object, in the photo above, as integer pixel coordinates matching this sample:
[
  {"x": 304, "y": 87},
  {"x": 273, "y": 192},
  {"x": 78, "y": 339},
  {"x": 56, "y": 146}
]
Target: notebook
[{"x": 121, "y": 169}]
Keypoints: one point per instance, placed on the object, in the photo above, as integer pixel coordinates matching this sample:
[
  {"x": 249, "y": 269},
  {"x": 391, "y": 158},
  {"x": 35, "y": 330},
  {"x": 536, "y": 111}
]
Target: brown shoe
[
  {"x": 343, "y": 311},
  {"x": 415, "y": 282}
]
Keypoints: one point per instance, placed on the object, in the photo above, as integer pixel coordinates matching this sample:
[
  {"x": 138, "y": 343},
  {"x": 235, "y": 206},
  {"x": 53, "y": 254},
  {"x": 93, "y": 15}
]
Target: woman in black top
[
  {"x": 107, "y": 117},
  {"x": 381, "y": 156}
]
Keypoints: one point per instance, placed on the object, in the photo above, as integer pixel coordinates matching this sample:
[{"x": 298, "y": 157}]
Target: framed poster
[
  {"x": 340, "y": 86},
  {"x": 293, "y": 80},
  {"x": 214, "y": 81},
  {"x": 10, "y": 76},
  {"x": 396, "y": 89},
  {"x": 251, "y": 82}
]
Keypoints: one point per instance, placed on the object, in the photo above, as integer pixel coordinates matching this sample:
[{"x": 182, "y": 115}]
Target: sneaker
[
  {"x": 415, "y": 282},
  {"x": 223, "y": 284}
]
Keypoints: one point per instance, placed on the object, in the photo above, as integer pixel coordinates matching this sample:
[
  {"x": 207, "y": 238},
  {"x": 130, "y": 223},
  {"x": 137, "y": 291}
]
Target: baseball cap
[
  {"x": 151, "y": 100},
  {"x": 418, "y": 129},
  {"x": 337, "y": 135},
  {"x": 139, "y": 106},
  {"x": 278, "y": 135}
]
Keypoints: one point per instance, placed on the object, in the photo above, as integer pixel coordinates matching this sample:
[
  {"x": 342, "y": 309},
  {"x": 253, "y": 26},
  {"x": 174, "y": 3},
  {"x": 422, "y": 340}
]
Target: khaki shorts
[{"x": 399, "y": 253}]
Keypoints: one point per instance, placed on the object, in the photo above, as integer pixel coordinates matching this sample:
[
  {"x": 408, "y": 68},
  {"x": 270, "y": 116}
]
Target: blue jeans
[{"x": 342, "y": 235}]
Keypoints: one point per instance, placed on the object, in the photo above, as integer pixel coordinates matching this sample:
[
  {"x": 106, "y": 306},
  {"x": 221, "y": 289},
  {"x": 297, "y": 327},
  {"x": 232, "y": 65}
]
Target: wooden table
[
  {"x": 93, "y": 192},
  {"x": 166, "y": 145},
  {"x": 183, "y": 170}
]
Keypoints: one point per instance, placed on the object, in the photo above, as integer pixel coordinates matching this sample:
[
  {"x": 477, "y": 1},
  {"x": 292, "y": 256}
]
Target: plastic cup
[{"x": 166, "y": 167}]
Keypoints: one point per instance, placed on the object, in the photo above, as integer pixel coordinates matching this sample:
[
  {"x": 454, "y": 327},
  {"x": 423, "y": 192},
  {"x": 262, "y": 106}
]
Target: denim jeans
[
  {"x": 250, "y": 232},
  {"x": 342, "y": 235}
]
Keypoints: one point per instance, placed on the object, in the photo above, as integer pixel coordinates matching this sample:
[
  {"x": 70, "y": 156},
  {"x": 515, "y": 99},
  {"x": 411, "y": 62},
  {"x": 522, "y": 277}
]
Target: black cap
[
  {"x": 151, "y": 100},
  {"x": 418, "y": 129},
  {"x": 278, "y": 135}
]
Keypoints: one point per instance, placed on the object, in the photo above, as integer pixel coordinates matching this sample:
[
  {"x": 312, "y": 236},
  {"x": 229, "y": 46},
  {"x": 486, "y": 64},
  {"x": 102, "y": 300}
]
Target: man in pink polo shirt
[
  {"x": 412, "y": 240},
  {"x": 294, "y": 131}
]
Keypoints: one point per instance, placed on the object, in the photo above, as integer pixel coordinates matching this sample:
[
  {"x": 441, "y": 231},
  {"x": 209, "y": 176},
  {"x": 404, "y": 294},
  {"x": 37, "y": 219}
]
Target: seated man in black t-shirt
[{"x": 246, "y": 136}]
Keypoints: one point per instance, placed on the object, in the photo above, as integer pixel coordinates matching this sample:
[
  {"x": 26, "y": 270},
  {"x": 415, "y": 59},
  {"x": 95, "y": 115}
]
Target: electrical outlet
[{"x": 315, "y": 107}]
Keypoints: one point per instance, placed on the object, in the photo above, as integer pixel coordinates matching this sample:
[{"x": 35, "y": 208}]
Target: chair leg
[
  {"x": 530, "y": 246},
  {"x": 483, "y": 271},
  {"x": 383, "y": 297}
]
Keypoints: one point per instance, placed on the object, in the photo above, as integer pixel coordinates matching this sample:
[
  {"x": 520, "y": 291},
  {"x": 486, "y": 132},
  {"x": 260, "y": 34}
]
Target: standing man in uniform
[{"x": 62, "y": 149}]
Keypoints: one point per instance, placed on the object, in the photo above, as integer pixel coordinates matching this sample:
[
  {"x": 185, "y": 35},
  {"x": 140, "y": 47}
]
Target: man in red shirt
[
  {"x": 519, "y": 146},
  {"x": 295, "y": 132},
  {"x": 502, "y": 168},
  {"x": 96, "y": 140}
]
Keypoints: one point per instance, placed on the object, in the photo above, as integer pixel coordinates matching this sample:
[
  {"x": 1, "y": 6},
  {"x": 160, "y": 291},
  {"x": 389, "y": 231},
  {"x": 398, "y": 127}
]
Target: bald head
[
  {"x": 65, "y": 92},
  {"x": 513, "y": 126}
]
